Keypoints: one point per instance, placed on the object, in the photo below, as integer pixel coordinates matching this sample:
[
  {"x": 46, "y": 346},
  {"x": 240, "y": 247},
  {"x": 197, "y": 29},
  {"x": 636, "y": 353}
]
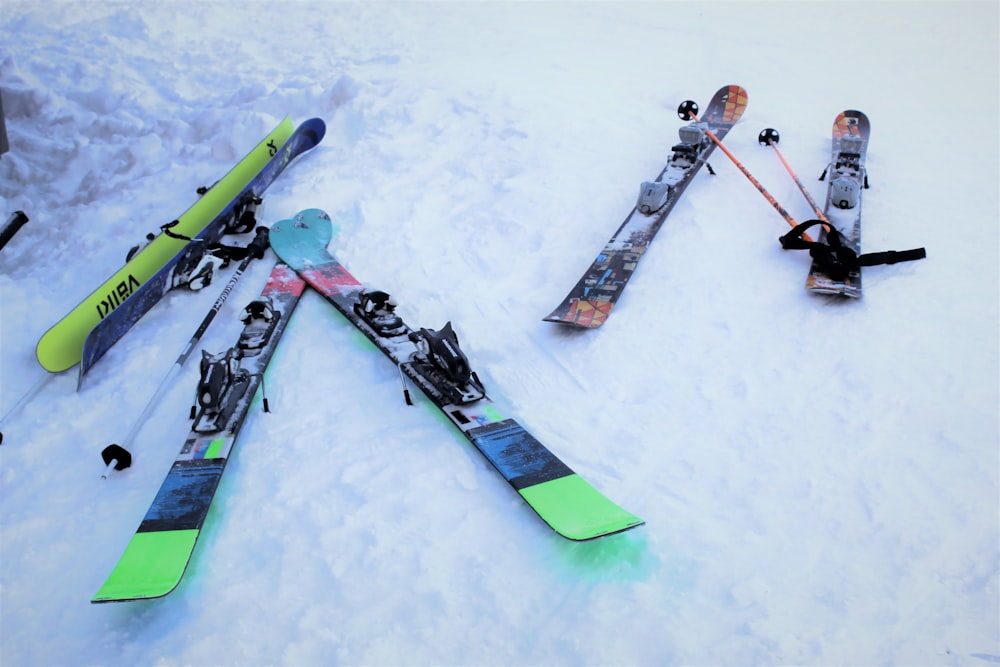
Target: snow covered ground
[{"x": 819, "y": 478}]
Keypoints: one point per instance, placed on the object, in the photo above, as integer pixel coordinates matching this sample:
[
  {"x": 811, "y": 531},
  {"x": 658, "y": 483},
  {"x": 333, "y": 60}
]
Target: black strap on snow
[{"x": 836, "y": 259}]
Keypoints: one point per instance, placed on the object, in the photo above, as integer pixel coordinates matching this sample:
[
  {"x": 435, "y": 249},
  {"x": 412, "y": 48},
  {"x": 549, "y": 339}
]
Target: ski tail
[
  {"x": 564, "y": 500},
  {"x": 155, "y": 559},
  {"x": 567, "y": 502},
  {"x": 157, "y": 556}
]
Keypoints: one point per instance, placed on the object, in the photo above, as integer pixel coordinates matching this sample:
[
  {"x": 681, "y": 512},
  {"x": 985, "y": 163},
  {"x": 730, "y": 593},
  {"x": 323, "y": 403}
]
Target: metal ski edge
[
  {"x": 156, "y": 558},
  {"x": 563, "y": 499},
  {"x": 61, "y": 346},
  {"x": 577, "y": 311}
]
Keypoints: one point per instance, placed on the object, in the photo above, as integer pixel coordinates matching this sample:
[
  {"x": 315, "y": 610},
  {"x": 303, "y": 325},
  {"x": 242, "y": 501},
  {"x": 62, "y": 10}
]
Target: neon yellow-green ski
[{"x": 61, "y": 347}]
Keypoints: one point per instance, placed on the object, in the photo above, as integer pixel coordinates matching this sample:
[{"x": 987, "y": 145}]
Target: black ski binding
[
  {"x": 441, "y": 361},
  {"x": 244, "y": 213},
  {"x": 196, "y": 267},
  {"x": 220, "y": 389},
  {"x": 693, "y": 140},
  {"x": 378, "y": 310},
  {"x": 200, "y": 261},
  {"x": 259, "y": 319}
]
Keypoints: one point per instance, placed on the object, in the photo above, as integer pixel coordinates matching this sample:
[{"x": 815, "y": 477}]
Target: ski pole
[
  {"x": 770, "y": 137},
  {"x": 255, "y": 250},
  {"x": 25, "y": 399},
  {"x": 688, "y": 110}
]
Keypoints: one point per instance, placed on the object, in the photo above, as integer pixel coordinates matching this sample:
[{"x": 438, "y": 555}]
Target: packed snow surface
[{"x": 819, "y": 477}]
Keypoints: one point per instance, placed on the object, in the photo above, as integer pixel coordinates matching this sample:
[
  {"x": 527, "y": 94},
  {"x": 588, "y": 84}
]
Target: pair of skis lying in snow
[
  {"x": 837, "y": 257},
  {"x": 155, "y": 559},
  {"x": 187, "y": 252},
  {"x": 157, "y": 556}
]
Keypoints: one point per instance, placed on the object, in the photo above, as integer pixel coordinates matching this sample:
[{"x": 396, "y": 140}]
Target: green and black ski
[
  {"x": 434, "y": 362},
  {"x": 155, "y": 559}
]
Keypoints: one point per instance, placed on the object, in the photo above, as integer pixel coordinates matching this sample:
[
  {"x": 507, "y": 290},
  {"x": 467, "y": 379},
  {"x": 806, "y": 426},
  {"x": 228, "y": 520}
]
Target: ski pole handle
[{"x": 14, "y": 223}]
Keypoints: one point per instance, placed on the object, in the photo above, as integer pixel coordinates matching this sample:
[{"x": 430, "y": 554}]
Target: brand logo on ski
[
  {"x": 271, "y": 148},
  {"x": 115, "y": 298}
]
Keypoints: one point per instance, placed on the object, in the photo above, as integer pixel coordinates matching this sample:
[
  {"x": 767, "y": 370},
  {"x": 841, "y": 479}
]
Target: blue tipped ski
[{"x": 433, "y": 361}]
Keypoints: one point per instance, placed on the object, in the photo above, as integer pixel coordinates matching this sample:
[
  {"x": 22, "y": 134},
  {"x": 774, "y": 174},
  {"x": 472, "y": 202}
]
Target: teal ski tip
[{"x": 307, "y": 234}]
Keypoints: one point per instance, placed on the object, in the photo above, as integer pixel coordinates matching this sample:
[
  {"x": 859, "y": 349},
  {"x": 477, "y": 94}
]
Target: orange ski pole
[
  {"x": 688, "y": 110},
  {"x": 770, "y": 137}
]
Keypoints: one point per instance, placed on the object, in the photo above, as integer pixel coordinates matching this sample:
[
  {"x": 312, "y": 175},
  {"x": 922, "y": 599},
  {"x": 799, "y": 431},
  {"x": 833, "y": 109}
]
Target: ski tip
[
  {"x": 851, "y": 121},
  {"x": 735, "y": 100},
  {"x": 315, "y": 129}
]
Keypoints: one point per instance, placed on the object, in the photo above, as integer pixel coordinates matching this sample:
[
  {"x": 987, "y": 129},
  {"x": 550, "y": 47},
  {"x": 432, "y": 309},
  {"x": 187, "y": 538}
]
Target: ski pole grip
[
  {"x": 260, "y": 243},
  {"x": 14, "y": 223}
]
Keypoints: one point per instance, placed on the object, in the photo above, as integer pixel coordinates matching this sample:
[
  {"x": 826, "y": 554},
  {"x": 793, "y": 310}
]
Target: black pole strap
[
  {"x": 892, "y": 257},
  {"x": 836, "y": 258}
]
